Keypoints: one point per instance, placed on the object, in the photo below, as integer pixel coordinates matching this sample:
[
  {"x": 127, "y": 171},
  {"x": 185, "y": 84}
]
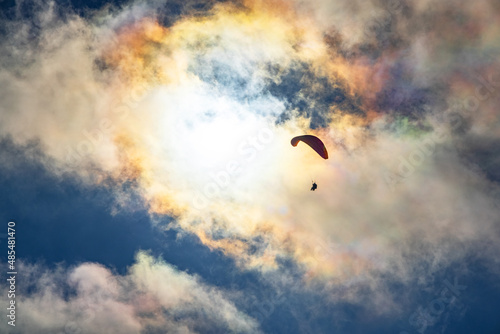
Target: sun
[{"x": 206, "y": 133}]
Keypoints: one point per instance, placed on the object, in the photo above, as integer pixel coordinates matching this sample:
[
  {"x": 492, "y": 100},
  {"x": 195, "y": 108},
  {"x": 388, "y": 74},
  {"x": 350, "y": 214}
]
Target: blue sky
[{"x": 145, "y": 159}]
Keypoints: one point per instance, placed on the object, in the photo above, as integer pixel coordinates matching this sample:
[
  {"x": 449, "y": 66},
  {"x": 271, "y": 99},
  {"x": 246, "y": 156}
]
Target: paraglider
[{"x": 314, "y": 142}]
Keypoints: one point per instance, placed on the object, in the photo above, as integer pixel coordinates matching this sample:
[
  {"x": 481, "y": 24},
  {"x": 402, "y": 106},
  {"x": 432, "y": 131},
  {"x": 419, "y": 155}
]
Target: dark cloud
[
  {"x": 313, "y": 96},
  {"x": 62, "y": 220},
  {"x": 483, "y": 153}
]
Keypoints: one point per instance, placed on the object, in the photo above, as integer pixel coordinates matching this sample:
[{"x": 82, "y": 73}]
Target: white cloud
[{"x": 152, "y": 296}]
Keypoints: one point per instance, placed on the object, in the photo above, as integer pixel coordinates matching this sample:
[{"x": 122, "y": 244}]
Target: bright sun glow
[{"x": 208, "y": 131}]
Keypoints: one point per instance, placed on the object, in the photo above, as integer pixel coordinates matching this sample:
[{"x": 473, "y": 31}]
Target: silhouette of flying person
[{"x": 314, "y": 187}]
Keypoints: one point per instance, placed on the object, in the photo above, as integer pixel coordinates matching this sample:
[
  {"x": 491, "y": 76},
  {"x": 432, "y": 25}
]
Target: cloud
[
  {"x": 152, "y": 296},
  {"x": 197, "y": 115}
]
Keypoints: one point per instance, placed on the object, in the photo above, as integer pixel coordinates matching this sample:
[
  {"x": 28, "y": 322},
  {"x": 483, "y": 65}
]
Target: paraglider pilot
[{"x": 314, "y": 187}]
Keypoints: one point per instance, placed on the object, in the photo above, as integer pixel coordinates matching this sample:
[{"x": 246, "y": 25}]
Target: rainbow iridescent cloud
[{"x": 198, "y": 114}]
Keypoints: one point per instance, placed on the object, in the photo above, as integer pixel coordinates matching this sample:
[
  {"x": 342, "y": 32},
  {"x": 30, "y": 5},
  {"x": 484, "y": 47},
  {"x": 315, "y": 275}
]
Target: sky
[{"x": 146, "y": 163}]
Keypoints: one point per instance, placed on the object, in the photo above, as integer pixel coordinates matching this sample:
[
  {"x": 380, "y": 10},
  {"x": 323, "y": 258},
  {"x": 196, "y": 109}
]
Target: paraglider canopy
[{"x": 314, "y": 142}]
